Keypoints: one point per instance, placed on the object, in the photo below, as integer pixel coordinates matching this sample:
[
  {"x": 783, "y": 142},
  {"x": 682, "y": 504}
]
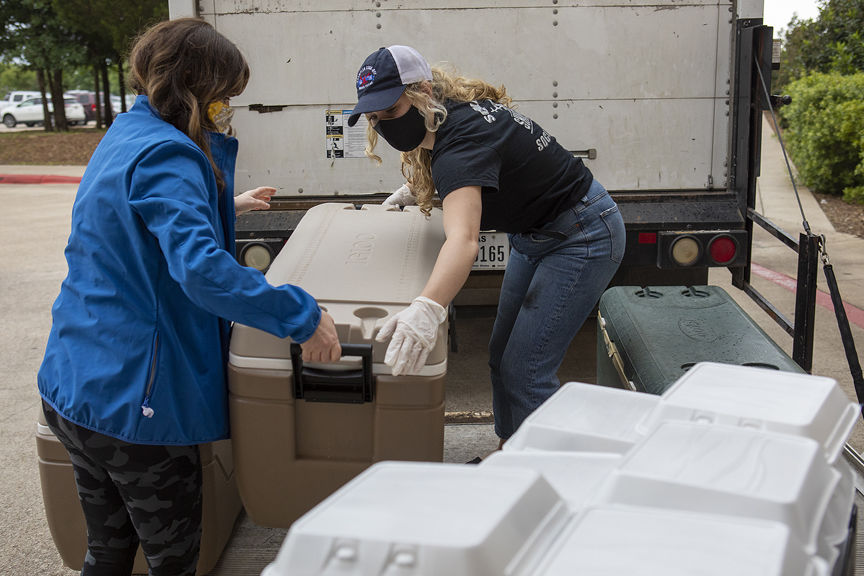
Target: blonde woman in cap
[{"x": 493, "y": 169}]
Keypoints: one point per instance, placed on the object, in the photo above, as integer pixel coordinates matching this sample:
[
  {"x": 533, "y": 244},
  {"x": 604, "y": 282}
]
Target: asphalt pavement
[{"x": 34, "y": 226}]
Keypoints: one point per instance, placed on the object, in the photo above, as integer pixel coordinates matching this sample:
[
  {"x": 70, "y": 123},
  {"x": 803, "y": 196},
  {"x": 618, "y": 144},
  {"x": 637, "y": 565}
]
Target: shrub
[{"x": 826, "y": 132}]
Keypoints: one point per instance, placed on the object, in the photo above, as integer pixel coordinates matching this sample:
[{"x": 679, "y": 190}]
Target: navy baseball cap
[{"x": 383, "y": 77}]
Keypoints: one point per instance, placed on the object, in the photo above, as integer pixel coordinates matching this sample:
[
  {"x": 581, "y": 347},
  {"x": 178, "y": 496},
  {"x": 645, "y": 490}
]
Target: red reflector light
[
  {"x": 647, "y": 238},
  {"x": 722, "y": 249}
]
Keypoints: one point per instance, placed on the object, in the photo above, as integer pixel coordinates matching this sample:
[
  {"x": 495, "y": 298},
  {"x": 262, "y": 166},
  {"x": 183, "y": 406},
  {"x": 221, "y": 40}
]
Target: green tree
[
  {"x": 86, "y": 18},
  {"x": 132, "y": 18},
  {"x": 841, "y": 45},
  {"x": 826, "y": 132},
  {"x": 106, "y": 29},
  {"x": 16, "y": 77},
  {"x": 33, "y": 33},
  {"x": 795, "y": 58},
  {"x": 833, "y": 42}
]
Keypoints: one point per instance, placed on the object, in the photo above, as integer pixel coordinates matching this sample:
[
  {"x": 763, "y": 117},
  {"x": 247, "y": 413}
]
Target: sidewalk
[{"x": 67, "y": 171}]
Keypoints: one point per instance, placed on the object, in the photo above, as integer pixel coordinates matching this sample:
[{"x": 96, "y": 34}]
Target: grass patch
[{"x": 49, "y": 148}]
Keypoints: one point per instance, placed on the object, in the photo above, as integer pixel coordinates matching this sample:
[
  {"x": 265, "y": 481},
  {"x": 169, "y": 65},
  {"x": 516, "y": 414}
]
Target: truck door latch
[{"x": 264, "y": 109}]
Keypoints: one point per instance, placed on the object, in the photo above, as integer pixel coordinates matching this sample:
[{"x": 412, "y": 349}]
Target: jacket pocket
[{"x": 146, "y": 410}]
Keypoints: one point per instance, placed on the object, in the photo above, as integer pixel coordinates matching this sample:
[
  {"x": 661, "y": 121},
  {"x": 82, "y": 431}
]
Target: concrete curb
[{"x": 38, "y": 179}]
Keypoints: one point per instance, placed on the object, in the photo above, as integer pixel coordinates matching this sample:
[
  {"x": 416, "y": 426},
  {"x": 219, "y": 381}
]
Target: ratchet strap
[{"x": 843, "y": 325}]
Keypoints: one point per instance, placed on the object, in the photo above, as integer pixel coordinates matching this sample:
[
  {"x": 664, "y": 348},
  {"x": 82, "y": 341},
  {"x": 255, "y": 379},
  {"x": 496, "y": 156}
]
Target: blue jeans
[{"x": 554, "y": 278}]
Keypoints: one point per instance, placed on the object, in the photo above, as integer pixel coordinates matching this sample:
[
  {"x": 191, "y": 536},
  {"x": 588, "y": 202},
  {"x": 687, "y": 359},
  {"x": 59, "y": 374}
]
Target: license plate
[{"x": 494, "y": 251}]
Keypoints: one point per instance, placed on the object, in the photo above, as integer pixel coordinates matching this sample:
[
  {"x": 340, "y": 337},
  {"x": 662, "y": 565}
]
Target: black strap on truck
[
  {"x": 836, "y": 300},
  {"x": 843, "y": 325}
]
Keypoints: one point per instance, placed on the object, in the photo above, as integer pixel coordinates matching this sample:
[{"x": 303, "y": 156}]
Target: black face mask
[{"x": 404, "y": 133}]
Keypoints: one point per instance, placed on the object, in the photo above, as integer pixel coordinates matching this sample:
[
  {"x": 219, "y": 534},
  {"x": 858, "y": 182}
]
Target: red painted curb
[
  {"x": 853, "y": 314},
  {"x": 38, "y": 179}
]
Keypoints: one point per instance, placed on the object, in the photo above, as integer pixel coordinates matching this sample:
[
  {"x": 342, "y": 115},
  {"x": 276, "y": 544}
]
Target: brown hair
[
  {"x": 183, "y": 66},
  {"x": 417, "y": 164}
]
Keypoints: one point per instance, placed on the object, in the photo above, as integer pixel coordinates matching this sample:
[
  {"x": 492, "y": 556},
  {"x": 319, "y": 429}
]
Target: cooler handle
[{"x": 323, "y": 385}]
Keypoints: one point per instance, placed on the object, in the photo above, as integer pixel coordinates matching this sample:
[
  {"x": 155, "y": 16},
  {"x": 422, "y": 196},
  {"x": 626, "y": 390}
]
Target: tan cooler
[
  {"x": 301, "y": 432},
  {"x": 220, "y": 507}
]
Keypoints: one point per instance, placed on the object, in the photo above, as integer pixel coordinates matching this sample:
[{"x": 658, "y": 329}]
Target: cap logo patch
[{"x": 365, "y": 77}]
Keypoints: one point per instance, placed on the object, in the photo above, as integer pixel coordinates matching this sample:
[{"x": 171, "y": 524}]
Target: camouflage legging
[{"x": 132, "y": 493}]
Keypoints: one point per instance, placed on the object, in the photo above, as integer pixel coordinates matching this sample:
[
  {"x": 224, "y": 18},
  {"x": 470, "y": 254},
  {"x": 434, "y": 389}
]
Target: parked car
[
  {"x": 88, "y": 100},
  {"x": 29, "y": 112},
  {"x": 17, "y": 96}
]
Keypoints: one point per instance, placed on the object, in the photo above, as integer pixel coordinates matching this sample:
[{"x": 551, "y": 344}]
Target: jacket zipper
[{"x": 146, "y": 410}]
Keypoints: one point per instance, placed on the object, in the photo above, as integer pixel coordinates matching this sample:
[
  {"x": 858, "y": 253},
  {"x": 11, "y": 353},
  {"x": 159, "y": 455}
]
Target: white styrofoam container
[
  {"x": 590, "y": 418},
  {"x": 708, "y": 479},
  {"x": 835, "y": 525},
  {"x": 425, "y": 518},
  {"x": 787, "y": 402},
  {"x": 585, "y": 418},
  {"x": 614, "y": 540},
  {"x": 717, "y": 469},
  {"x": 576, "y": 476}
]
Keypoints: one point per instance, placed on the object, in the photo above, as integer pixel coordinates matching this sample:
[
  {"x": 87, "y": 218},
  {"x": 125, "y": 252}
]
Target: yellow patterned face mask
[{"x": 220, "y": 113}]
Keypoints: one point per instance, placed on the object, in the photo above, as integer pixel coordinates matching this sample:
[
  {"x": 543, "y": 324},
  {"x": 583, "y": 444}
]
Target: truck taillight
[
  {"x": 701, "y": 248},
  {"x": 647, "y": 238},
  {"x": 256, "y": 255},
  {"x": 723, "y": 249},
  {"x": 686, "y": 250}
]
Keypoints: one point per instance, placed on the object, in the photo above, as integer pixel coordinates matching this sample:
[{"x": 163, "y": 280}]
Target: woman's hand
[
  {"x": 324, "y": 345},
  {"x": 414, "y": 332},
  {"x": 255, "y": 199},
  {"x": 401, "y": 197}
]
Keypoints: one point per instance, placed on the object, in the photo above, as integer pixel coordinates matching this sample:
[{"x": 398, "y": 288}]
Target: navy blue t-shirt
[{"x": 526, "y": 177}]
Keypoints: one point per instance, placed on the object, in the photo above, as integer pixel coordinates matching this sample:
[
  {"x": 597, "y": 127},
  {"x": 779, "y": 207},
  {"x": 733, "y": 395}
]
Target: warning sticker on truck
[{"x": 341, "y": 140}]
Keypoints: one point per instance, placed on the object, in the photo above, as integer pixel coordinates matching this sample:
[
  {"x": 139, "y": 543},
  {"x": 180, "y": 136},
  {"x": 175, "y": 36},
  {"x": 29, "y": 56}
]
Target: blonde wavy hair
[
  {"x": 183, "y": 66},
  {"x": 445, "y": 85}
]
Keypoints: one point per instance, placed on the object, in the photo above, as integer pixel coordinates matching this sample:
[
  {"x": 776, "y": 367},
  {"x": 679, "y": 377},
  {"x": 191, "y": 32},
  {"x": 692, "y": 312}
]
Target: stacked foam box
[{"x": 733, "y": 470}]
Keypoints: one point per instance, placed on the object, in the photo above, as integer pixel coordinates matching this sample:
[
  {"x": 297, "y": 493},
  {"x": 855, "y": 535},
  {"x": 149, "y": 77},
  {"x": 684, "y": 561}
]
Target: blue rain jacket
[{"x": 139, "y": 341}]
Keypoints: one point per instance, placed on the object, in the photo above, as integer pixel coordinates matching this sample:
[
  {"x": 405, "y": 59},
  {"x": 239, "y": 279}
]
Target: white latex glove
[
  {"x": 414, "y": 332},
  {"x": 401, "y": 197},
  {"x": 255, "y": 199}
]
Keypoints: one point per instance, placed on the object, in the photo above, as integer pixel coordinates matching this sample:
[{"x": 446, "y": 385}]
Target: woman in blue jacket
[{"x": 133, "y": 377}]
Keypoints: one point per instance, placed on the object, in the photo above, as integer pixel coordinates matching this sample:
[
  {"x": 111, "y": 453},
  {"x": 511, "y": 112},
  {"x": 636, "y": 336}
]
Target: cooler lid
[
  {"x": 375, "y": 255},
  {"x": 659, "y": 332},
  {"x": 362, "y": 266}
]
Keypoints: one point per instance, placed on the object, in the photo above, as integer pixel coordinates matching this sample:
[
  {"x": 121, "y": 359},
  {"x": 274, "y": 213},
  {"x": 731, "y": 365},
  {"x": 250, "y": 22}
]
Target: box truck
[{"x": 660, "y": 98}]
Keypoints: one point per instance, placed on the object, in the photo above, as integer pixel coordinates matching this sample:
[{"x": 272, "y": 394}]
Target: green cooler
[{"x": 647, "y": 337}]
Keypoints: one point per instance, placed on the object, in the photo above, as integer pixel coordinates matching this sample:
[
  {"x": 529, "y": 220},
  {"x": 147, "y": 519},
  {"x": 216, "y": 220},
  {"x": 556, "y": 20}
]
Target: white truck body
[
  {"x": 657, "y": 96},
  {"x": 645, "y": 83}
]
